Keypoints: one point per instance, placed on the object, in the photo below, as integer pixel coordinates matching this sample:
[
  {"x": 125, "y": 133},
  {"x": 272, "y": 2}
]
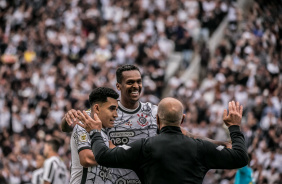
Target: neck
[
  {"x": 52, "y": 154},
  {"x": 161, "y": 126},
  {"x": 129, "y": 105}
]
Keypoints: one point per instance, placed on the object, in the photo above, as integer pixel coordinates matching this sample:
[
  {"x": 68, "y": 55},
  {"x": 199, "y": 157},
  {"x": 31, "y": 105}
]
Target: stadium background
[{"x": 205, "y": 53}]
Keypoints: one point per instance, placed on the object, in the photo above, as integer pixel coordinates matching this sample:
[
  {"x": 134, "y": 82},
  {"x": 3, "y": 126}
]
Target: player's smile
[{"x": 131, "y": 86}]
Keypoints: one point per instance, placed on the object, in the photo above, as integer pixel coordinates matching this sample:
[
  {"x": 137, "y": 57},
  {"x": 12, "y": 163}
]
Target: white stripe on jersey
[
  {"x": 55, "y": 171},
  {"x": 37, "y": 176}
]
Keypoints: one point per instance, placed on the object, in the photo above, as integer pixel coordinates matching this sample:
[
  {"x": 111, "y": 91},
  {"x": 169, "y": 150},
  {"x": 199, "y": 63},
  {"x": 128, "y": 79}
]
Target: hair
[
  {"x": 54, "y": 143},
  {"x": 101, "y": 94},
  {"x": 125, "y": 68}
]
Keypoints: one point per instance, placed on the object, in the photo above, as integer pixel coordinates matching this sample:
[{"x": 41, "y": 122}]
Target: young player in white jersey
[
  {"x": 38, "y": 173},
  {"x": 54, "y": 169},
  {"x": 84, "y": 169},
  {"x": 135, "y": 120}
]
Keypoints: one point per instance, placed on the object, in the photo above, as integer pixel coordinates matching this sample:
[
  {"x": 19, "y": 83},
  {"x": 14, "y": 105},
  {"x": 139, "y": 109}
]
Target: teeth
[{"x": 135, "y": 92}]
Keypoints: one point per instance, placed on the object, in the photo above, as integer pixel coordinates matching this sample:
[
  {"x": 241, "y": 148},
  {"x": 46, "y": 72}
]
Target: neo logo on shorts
[
  {"x": 121, "y": 137},
  {"x": 129, "y": 181}
]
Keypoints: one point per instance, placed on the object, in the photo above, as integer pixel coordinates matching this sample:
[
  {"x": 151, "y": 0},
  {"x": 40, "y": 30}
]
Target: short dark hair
[
  {"x": 125, "y": 68},
  {"x": 54, "y": 143},
  {"x": 101, "y": 94}
]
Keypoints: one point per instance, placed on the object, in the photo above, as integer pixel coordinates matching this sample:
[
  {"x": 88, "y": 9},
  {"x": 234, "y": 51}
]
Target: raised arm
[{"x": 216, "y": 157}]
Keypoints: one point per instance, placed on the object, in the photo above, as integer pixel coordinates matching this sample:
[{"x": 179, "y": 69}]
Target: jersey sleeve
[
  {"x": 124, "y": 156},
  {"x": 81, "y": 138}
]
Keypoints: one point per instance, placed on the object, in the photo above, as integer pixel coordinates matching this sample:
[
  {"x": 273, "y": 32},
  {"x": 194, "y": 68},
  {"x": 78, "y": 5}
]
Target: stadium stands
[{"x": 54, "y": 53}]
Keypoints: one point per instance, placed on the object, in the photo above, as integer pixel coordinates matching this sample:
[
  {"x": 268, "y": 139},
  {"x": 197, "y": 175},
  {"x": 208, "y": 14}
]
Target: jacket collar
[{"x": 171, "y": 129}]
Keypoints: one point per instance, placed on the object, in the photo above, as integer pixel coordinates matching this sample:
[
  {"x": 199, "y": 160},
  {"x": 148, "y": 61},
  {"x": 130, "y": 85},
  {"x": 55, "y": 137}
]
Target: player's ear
[
  {"x": 96, "y": 108},
  {"x": 158, "y": 121},
  {"x": 183, "y": 117},
  {"x": 118, "y": 86}
]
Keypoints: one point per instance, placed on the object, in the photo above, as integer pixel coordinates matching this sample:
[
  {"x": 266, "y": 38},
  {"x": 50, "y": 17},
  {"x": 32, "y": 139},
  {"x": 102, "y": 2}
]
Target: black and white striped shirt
[
  {"x": 37, "y": 176},
  {"x": 55, "y": 171}
]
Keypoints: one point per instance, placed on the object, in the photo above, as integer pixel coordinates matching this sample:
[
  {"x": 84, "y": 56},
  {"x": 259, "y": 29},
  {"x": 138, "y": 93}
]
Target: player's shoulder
[
  {"x": 78, "y": 128},
  {"x": 49, "y": 161},
  {"x": 38, "y": 171},
  {"x": 148, "y": 106},
  {"x": 88, "y": 111}
]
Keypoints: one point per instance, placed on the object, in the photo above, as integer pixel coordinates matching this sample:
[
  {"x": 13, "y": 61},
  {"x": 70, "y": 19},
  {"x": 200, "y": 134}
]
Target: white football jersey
[
  {"x": 129, "y": 127},
  {"x": 80, "y": 140}
]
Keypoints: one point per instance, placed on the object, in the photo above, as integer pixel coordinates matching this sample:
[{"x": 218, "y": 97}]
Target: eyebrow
[
  {"x": 130, "y": 80},
  {"x": 113, "y": 106}
]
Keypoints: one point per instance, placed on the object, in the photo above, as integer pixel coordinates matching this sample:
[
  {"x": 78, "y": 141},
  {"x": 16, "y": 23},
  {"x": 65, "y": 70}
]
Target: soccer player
[
  {"x": 38, "y": 173},
  {"x": 84, "y": 169},
  {"x": 54, "y": 169},
  {"x": 171, "y": 157},
  {"x": 135, "y": 120}
]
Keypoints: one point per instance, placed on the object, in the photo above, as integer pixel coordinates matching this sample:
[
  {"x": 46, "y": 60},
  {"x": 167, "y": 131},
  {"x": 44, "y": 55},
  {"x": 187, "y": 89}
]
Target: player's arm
[
  {"x": 125, "y": 156},
  {"x": 69, "y": 120},
  {"x": 46, "y": 182},
  {"x": 87, "y": 158},
  {"x": 82, "y": 141},
  {"x": 237, "y": 157}
]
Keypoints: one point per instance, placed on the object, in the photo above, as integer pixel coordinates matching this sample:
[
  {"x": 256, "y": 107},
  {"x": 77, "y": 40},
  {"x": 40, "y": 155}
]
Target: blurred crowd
[
  {"x": 53, "y": 53},
  {"x": 245, "y": 67}
]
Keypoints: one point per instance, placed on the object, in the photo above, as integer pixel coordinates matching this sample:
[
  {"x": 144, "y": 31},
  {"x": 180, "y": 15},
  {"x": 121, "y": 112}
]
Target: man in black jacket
[{"x": 171, "y": 157}]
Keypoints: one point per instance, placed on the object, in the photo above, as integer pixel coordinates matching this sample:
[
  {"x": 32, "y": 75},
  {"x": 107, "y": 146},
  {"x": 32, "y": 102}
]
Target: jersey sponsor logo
[
  {"x": 105, "y": 173},
  {"x": 121, "y": 137},
  {"x": 83, "y": 137},
  {"x": 125, "y": 147},
  {"x": 142, "y": 121},
  {"x": 122, "y": 134},
  {"x": 129, "y": 181}
]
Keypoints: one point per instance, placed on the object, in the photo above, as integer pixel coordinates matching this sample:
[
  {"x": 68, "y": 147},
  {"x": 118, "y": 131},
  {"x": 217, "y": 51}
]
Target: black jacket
[{"x": 172, "y": 157}]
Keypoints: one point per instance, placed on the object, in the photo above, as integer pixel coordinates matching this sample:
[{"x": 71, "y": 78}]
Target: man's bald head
[{"x": 170, "y": 112}]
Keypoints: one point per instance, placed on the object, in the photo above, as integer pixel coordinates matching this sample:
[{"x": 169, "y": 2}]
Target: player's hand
[
  {"x": 111, "y": 145},
  {"x": 234, "y": 116},
  {"x": 71, "y": 117},
  {"x": 89, "y": 123}
]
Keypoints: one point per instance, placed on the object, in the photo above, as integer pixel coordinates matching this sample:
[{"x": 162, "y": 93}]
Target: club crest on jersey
[{"x": 142, "y": 121}]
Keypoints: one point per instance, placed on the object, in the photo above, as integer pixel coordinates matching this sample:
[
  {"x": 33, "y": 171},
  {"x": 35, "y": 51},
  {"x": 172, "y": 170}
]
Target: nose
[
  {"x": 115, "y": 114},
  {"x": 135, "y": 85}
]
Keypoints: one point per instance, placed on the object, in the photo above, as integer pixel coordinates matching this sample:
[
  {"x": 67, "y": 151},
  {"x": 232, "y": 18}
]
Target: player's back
[
  {"x": 37, "y": 176},
  {"x": 55, "y": 171}
]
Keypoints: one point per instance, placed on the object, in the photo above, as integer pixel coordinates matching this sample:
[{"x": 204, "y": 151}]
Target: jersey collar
[{"x": 130, "y": 112}]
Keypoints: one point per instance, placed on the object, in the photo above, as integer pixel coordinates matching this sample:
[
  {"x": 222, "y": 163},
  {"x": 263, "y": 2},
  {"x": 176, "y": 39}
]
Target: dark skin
[{"x": 130, "y": 88}]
